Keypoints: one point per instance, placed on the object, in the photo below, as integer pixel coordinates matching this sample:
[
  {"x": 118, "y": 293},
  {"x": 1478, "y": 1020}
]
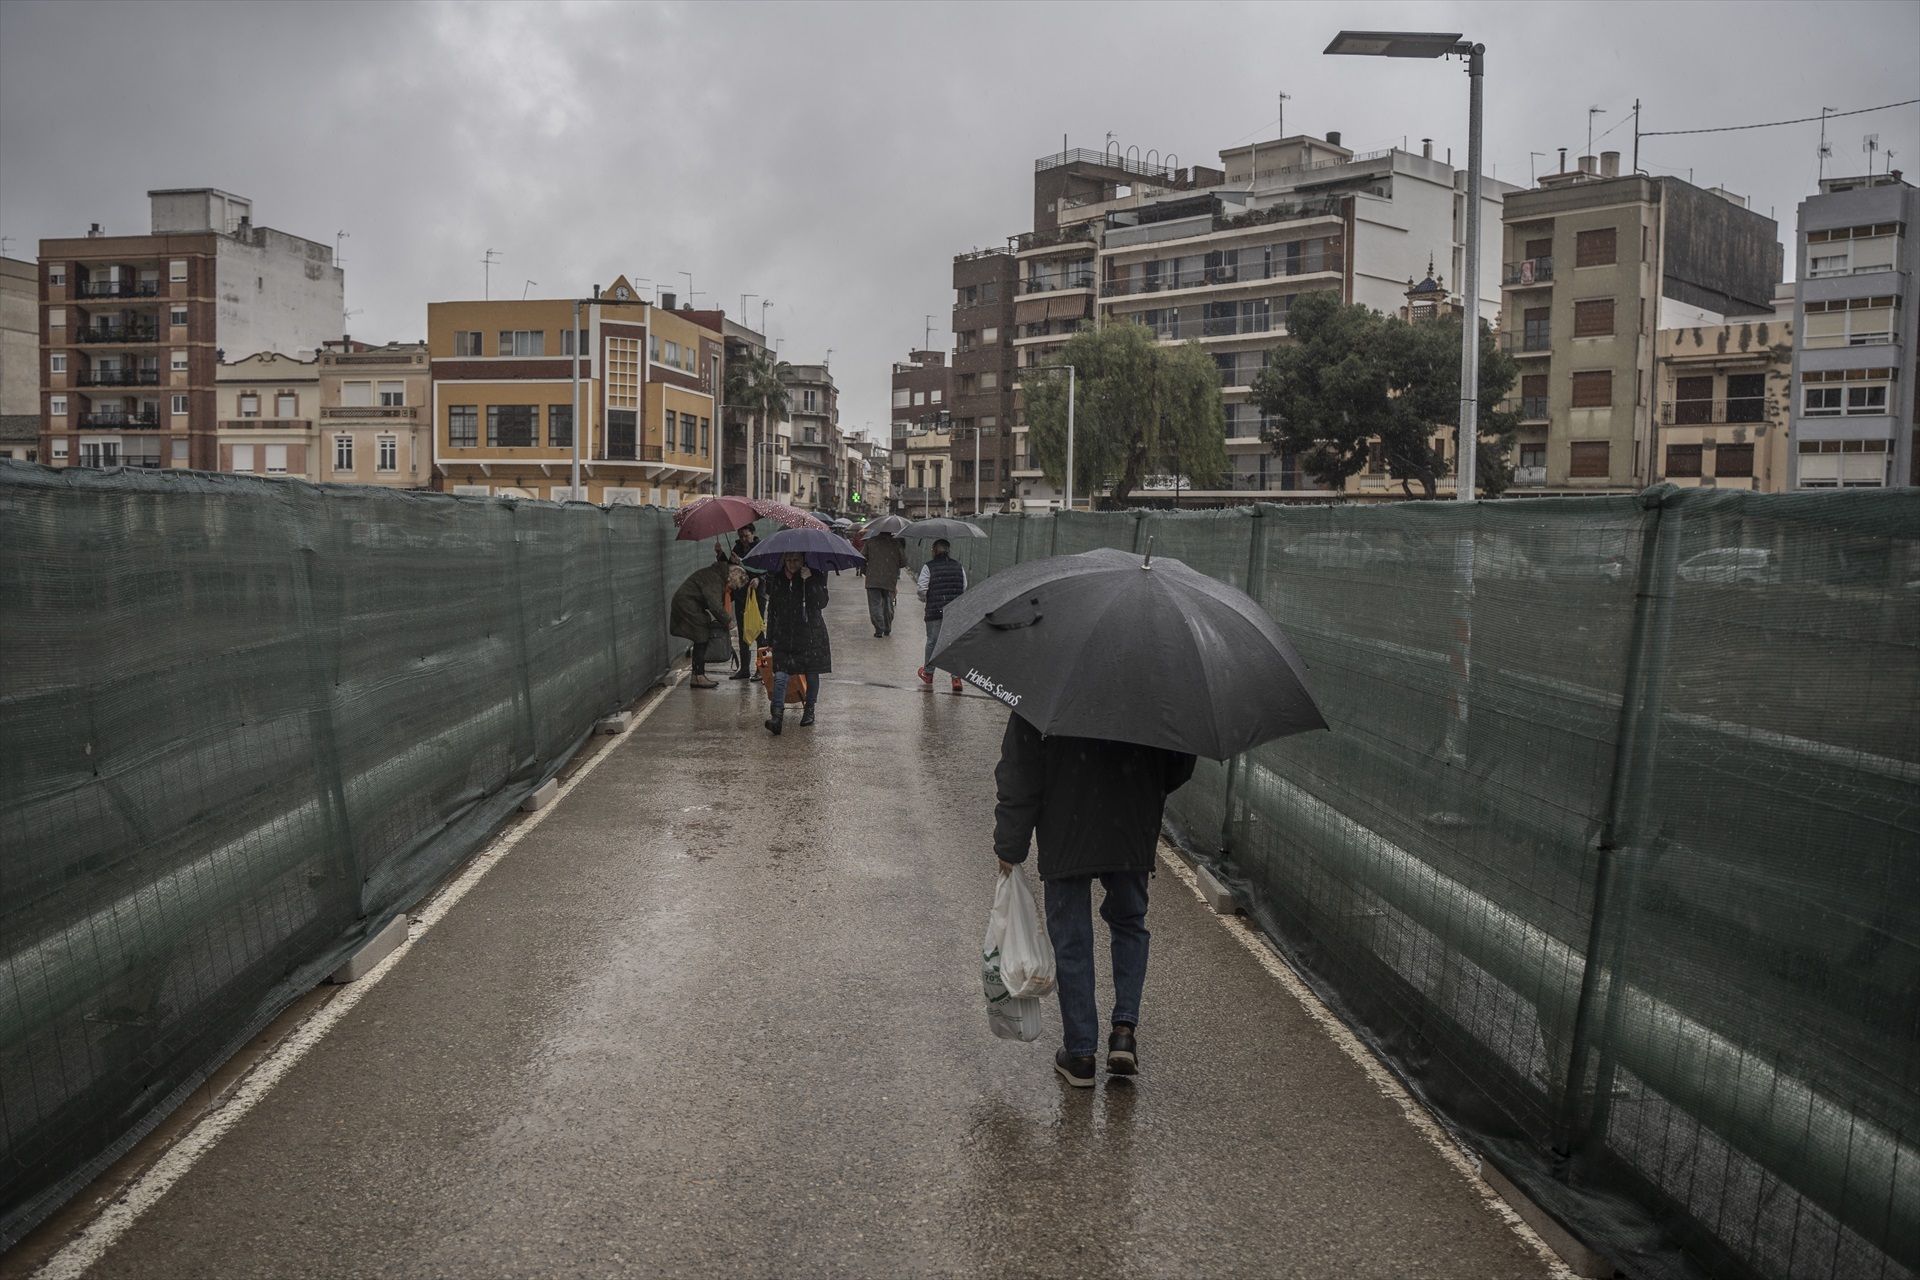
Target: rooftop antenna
[
  {"x": 1826, "y": 149},
  {"x": 690, "y": 293},
  {"x": 338, "y": 237},
  {"x": 1591, "y": 113},
  {"x": 926, "y": 343},
  {"x": 3, "y": 244},
  {"x": 1870, "y": 143},
  {"x": 523, "y": 289},
  {"x": 1889, "y": 155},
  {"x": 486, "y": 263},
  {"x": 1532, "y": 179},
  {"x": 1285, "y": 98}
]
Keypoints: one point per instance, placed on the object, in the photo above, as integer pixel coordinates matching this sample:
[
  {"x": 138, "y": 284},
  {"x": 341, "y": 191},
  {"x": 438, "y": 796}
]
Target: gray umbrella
[
  {"x": 1107, "y": 644},
  {"x": 942, "y": 528},
  {"x": 884, "y": 524}
]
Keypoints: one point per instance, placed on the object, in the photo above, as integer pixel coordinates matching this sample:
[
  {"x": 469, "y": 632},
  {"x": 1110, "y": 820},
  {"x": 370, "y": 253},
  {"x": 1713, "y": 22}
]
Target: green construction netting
[
  {"x": 242, "y": 724},
  {"x": 1678, "y": 733}
]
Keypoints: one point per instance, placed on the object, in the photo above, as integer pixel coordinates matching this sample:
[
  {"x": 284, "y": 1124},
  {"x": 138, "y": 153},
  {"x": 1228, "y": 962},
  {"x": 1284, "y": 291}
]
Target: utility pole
[
  {"x": 486, "y": 263},
  {"x": 1636, "y": 135}
]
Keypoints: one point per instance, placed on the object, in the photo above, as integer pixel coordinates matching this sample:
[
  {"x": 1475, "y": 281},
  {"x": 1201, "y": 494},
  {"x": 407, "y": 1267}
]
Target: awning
[
  {"x": 1030, "y": 311},
  {"x": 1072, "y": 307}
]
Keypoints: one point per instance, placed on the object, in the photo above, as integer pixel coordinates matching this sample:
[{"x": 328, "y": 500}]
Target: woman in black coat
[{"x": 797, "y": 630}]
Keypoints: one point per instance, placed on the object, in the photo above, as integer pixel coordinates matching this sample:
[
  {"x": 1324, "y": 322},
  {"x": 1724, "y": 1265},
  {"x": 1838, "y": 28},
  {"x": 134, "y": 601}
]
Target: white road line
[
  {"x": 1383, "y": 1079},
  {"x": 98, "y": 1236}
]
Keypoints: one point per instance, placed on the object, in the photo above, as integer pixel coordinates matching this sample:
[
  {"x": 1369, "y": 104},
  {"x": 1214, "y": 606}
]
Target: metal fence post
[
  {"x": 616, "y": 692},
  {"x": 523, "y": 647},
  {"x": 326, "y": 740},
  {"x": 1256, "y": 581}
]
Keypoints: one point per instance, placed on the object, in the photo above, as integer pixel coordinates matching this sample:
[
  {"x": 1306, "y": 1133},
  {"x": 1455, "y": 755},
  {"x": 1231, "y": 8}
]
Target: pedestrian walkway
[{"x": 719, "y": 1013}]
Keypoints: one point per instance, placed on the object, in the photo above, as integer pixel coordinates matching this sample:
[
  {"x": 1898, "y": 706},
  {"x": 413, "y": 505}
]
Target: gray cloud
[{"x": 835, "y": 157}]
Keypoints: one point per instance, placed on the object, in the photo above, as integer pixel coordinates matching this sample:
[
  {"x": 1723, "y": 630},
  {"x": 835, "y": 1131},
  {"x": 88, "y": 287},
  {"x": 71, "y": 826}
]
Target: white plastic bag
[{"x": 1016, "y": 962}]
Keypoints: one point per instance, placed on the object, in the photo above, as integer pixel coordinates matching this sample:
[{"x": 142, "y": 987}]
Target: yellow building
[
  {"x": 503, "y": 396},
  {"x": 1724, "y": 391}
]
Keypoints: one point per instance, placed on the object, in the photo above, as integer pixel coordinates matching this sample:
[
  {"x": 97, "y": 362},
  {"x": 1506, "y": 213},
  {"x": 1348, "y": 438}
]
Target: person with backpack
[{"x": 942, "y": 580}]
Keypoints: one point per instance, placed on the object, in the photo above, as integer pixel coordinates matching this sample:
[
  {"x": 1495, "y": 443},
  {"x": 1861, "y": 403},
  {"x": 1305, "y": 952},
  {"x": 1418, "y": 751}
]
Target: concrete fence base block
[
  {"x": 542, "y": 797},
  {"x": 615, "y": 723},
  {"x": 372, "y": 951},
  {"x": 1218, "y": 896},
  {"x": 1580, "y": 1260}
]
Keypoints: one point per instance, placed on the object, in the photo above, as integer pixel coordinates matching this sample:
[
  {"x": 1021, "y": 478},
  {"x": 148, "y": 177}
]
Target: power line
[{"x": 1771, "y": 124}]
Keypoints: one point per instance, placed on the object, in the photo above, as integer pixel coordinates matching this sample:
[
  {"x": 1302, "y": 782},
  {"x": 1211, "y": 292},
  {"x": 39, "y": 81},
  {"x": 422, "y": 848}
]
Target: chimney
[
  {"x": 1563, "y": 159},
  {"x": 1333, "y": 136},
  {"x": 1590, "y": 165},
  {"x": 1426, "y": 148},
  {"x": 1609, "y": 164},
  {"x": 667, "y": 300},
  {"x": 95, "y": 231}
]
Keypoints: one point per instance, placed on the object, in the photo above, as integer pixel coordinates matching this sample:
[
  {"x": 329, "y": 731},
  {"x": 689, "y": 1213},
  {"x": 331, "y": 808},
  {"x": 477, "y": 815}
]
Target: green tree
[
  {"x": 756, "y": 384},
  {"x": 1353, "y": 377},
  {"x": 1137, "y": 406}
]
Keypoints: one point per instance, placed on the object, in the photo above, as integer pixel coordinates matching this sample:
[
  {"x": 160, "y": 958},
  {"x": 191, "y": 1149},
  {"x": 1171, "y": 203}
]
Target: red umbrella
[
  {"x": 713, "y": 518},
  {"x": 789, "y": 517}
]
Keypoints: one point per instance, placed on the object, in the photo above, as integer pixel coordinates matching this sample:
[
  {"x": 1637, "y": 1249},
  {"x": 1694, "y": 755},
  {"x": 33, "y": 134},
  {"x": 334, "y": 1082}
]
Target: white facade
[{"x": 277, "y": 292}]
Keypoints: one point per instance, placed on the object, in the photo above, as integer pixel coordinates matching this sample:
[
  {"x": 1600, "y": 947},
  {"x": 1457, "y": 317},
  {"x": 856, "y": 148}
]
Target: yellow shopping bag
[{"x": 752, "y": 624}]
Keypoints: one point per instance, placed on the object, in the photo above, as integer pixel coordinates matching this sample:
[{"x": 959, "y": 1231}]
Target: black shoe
[
  {"x": 773, "y": 724},
  {"x": 1075, "y": 1069},
  {"x": 1123, "y": 1059},
  {"x": 879, "y": 635},
  {"x": 741, "y": 675},
  {"x": 806, "y": 719}
]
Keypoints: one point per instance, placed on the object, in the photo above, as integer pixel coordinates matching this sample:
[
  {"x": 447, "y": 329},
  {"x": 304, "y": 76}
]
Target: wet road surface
[{"x": 720, "y": 1014}]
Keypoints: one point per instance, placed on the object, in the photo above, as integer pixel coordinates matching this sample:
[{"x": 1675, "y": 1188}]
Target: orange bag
[{"x": 796, "y": 684}]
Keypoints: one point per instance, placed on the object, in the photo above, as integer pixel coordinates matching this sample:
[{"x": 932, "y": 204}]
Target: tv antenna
[
  {"x": 338, "y": 238},
  {"x": 486, "y": 262},
  {"x": 1591, "y": 113},
  {"x": 926, "y": 343},
  {"x": 523, "y": 289},
  {"x": 1870, "y": 144},
  {"x": 1826, "y": 148}
]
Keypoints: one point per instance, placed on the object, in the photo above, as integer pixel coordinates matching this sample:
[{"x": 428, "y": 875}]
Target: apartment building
[
  {"x": 983, "y": 416},
  {"x": 1595, "y": 266},
  {"x": 19, "y": 360},
  {"x": 1724, "y": 402},
  {"x": 923, "y": 486},
  {"x": 922, "y": 407},
  {"x": 373, "y": 426},
  {"x": 132, "y": 328},
  {"x": 268, "y": 404},
  {"x": 1856, "y": 395},
  {"x": 503, "y": 396},
  {"x": 752, "y": 462},
  {"x": 813, "y": 410}
]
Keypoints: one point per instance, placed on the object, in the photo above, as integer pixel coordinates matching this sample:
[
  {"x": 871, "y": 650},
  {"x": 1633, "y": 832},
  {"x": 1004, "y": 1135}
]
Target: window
[
  {"x": 463, "y": 426},
  {"x": 933, "y": 396},
  {"x": 1746, "y": 397},
  {"x": 1534, "y": 454},
  {"x": 178, "y": 361},
  {"x": 706, "y": 437},
  {"x": 1593, "y": 390},
  {"x": 902, "y": 398},
  {"x": 286, "y": 406},
  {"x": 59, "y": 450},
  {"x": 689, "y": 427},
  {"x": 1683, "y": 460},
  {"x": 176, "y": 315},
  {"x": 1822, "y": 402},
  {"x": 653, "y": 346},
  {"x": 249, "y": 405},
  {"x": 388, "y": 457},
  {"x": 343, "y": 453},
  {"x": 990, "y": 335},
  {"x": 466, "y": 342},
  {"x": 180, "y": 451},
  {"x": 1590, "y": 459},
  {"x": 1537, "y": 329},
  {"x": 276, "y": 459},
  {"x": 1850, "y": 322},
  {"x": 1866, "y": 400},
  {"x": 510, "y": 426},
  {"x": 1533, "y": 395},
  {"x": 523, "y": 342},
  {"x": 1731, "y": 460},
  {"x": 989, "y": 380},
  {"x": 569, "y": 344},
  {"x": 356, "y": 395},
  {"x": 919, "y": 397},
  {"x": 393, "y": 394},
  {"x": 243, "y": 457},
  {"x": 56, "y": 317},
  {"x": 57, "y": 406},
  {"x": 1594, "y": 248},
  {"x": 1542, "y": 248},
  {"x": 1692, "y": 402},
  {"x": 57, "y": 362},
  {"x": 56, "y": 273},
  {"x": 560, "y": 426},
  {"x": 179, "y": 406},
  {"x": 1593, "y": 318},
  {"x": 1828, "y": 264},
  {"x": 673, "y": 352},
  {"x": 177, "y": 271}
]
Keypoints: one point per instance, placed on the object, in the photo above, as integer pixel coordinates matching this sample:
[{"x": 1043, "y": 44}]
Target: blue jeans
[
  {"x": 880, "y": 609},
  {"x": 780, "y": 679},
  {"x": 933, "y": 638},
  {"x": 1070, "y": 926}
]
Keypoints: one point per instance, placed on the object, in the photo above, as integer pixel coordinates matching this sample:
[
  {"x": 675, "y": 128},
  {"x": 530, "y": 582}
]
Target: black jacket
[
  {"x": 796, "y": 628},
  {"x": 1095, "y": 805}
]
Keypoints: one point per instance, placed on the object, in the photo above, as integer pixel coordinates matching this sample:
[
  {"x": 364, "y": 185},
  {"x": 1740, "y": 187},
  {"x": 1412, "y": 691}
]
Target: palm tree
[{"x": 756, "y": 383}]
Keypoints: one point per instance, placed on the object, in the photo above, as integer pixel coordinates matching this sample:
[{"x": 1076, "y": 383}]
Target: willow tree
[{"x": 1139, "y": 408}]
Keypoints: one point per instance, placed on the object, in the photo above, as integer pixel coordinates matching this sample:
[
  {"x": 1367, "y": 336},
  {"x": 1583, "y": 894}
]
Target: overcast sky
[{"x": 833, "y": 158}]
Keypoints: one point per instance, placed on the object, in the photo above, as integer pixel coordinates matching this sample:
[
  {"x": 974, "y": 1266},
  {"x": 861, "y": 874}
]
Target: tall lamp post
[{"x": 1441, "y": 44}]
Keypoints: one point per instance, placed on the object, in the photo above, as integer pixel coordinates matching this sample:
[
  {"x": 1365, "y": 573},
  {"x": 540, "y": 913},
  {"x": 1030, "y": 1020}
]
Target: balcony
[
  {"x": 1215, "y": 277},
  {"x": 117, "y": 335},
  {"x": 1529, "y": 476},
  {"x": 372, "y": 412},
  {"x": 1531, "y": 342},
  {"x": 118, "y": 378},
  {"x": 1183, "y": 330},
  {"x": 1714, "y": 413},
  {"x": 1533, "y": 408},
  {"x": 1056, "y": 284},
  {"x": 117, "y": 289},
  {"x": 121, "y": 419},
  {"x": 1528, "y": 272},
  {"x": 266, "y": 424}
]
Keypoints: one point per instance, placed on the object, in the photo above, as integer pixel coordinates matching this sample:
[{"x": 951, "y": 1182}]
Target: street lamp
[{"x": 1441, "y": 44}]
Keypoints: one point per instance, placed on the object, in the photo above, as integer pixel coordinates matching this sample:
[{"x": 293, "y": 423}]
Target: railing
[
  {"x": 1529, "y": 475},
  {"x": 1217, "y": 326},
  {"x": 1208, "y": 276},
  {"x": 120, "y": 334},
  {"x": 1713, "y": 413},
  {"x": 1060, "y": 235},
  {"x": 383, "y": 412},
  {"x": 266, "y": 424},
  {"x": 111, "y": 418},
  {"x": 1529, "y": 271},
  {"x": 383, "y": 358},
  {"x": 1055, "y": 285},
  {"x": 117, "y": 289},
  {"x": 1533, "y": 340},
  {"x": 1533, "y": 408},
  {"x": 1105, "y": 159},
  {"x": 118, "y": 378}
]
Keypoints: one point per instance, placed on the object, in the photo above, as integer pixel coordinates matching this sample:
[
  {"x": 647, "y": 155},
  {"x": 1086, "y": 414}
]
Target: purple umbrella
[{"x": 825, "y": 551}]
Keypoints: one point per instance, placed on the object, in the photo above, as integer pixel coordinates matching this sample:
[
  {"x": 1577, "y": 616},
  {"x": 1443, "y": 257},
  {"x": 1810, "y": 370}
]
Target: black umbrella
[
  {"x": 940, "y": 528},
  {"x": 1110, "y": 645}
]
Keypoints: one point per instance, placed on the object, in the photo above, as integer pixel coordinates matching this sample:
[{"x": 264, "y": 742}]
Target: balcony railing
[
  {"x": 1529, "y": 271},
  {"x": 1533, "y": 408},
  {"x": 118, "y": 378},
  {"x": 118, "y": 335},
  {"x": 1210, "y": 276},
  {"x": 1053, "y": 284},
  {"x": 1045, "y": 239},
  {"x": 1529, "y": 475},
  {"x": 1219, "y": 326},
  {"x": 1713, "y": 413},
  {"x": 1532, "y": 341},
  {"x": 117, "y": 289},
  {"x": 266, "y": 424},
  {"x": 119, "y": 418},
  {"x": 382, "y": 412}
]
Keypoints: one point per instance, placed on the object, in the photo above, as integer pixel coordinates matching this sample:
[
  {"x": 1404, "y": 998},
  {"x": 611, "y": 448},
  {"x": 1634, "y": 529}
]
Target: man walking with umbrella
[
  {"x": 743, "y": 546},
  {"x": 942, "y": 581},
  {"x": 796, "y": 595},
  {"x": 886, "y": 556}
]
